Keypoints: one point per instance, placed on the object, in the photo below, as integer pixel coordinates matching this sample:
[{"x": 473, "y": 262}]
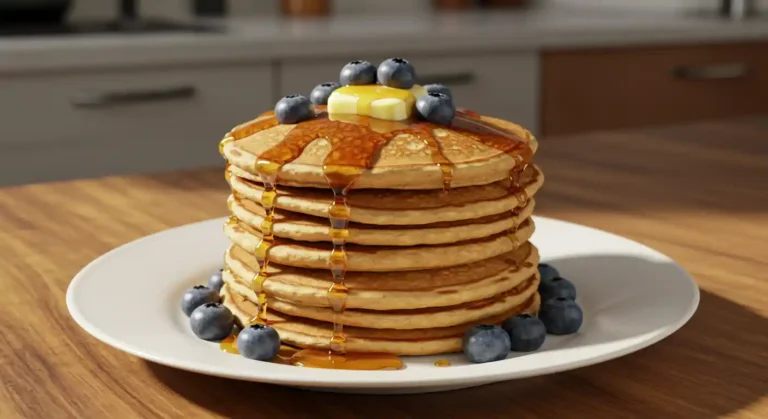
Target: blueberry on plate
[
  {"x": 547, "y": 272},
  {"x": 322, "y": 92},
  {"x": 216, "y": 281},
  {"x": 397, "y": 73},
  {"x": 526, "y": 333},
  {"x": 436, "y": 108},
  {"x": 293, "y": 109},
  {"x": 258, "y": 342},
  {"x": 438, "y": 88},
  {"x": 197, "y": 296},
  {"x": 212, "y": 321},
  {"x": 357, "y": 72},
  {"x": 557, "y": 287},
  {"x": 561, "y": 316},
  {"x": 485, "y": 343}
]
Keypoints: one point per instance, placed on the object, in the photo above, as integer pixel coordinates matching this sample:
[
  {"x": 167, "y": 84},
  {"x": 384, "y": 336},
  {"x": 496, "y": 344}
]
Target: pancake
[
  {"x": 397, "y": 207},
  {"x": 313, "y": 229},
  {"x": 304, "y": 333},
  {"x": 406, "y": 319},
  {"x": 382, "y": 258},
  {"x": 406, "y": 233},
  {"x": 405, "y": 161},
  {"x": 387, "y": 290}
]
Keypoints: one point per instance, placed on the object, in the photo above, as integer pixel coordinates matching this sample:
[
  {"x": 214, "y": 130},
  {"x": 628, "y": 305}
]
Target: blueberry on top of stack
[{"x": 388, "y": 92}]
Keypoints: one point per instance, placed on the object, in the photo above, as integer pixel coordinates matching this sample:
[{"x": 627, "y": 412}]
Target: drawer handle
[
  {"x": 711, "y": 72},
  {"x": 122, "y": 97},
  {"x": 449, "y": 79}
]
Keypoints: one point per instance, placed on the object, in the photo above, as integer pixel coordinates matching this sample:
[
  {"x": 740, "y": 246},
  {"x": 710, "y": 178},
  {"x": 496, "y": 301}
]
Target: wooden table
[{"x": 698, "y": 193}]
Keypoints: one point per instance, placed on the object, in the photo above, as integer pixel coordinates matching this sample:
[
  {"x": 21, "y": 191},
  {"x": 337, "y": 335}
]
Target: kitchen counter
[
  {"x": 683, "y": 190},
  {"x": 272, "y": 38}
]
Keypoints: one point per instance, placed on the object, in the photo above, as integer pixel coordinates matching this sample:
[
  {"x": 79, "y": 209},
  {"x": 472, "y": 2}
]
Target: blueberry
[
  {"x": 215, "y": 282},
  {"x": 547, "y": 272},
  {"x": 322, "y": 92},
  {"x": 438, "y": 88},
  {"x": 212, "y": 321},
  {"x": 436, "y": 108},
  {"x": 258, "y": 342},
  {"x": 486, "y": 343},
  {"x": 561, "y": 316},
  {"x": 526, "y": 332},
  {"x": 197, "y": 296},
  {"x": 557, "y": 287},
  {"x": 293, "y": 109},
  {"x": 357, "y": 73},
  {"x": 397, "y": 73}
]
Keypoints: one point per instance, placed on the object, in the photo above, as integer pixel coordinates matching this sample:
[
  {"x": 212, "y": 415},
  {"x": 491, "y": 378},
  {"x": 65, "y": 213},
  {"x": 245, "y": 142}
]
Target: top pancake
[{"x": 405, "y": 161}]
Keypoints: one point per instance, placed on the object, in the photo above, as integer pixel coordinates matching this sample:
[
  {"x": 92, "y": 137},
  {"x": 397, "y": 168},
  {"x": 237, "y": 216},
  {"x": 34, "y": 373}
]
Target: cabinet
[
  {"x": 504, "y": 85},
  {"x": 597, "y": 89},
  {"x": 63, "y": 126}
]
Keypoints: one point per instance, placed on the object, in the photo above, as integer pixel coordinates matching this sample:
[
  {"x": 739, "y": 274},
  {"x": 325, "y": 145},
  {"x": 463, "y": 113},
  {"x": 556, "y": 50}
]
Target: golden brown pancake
[
  {"x": 388, "y": 290},
  {"x": 313, "y": 229},
  {"x": 382, "y": 258},
  {"x": 305, "y": 333},
  {"x": 420, "y": 318},
  {"x": 397, "y": 207},
  {"x": 405, "y": 162}
]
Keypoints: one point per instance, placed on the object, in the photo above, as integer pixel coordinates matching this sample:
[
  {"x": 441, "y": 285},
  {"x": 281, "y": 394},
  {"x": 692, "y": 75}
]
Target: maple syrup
[
  {"x": 518, "y": 190},
  {"x": 425, "y": 132},
  {"x": 232, "y": 221},
  {"x": 316, "y": 358},
  {"x": 229, "y": 344},
  {"x": 227, "y": 139},
  {"x": 353, "y": 146},
  {"x": 442, "y": 363},
  {"x": 268, "y": 172}
]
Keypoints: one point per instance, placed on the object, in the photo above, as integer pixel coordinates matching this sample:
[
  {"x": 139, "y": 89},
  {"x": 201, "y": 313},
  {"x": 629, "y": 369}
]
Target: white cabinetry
[{"x": 84, "y": 124}]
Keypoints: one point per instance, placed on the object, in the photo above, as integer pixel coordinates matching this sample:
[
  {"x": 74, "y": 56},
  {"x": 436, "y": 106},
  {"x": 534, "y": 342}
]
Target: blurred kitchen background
[{"x": 100, "y": 87}]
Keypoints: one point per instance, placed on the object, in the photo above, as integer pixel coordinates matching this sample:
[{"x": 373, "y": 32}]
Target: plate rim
[{"x": 363, "y": 379}]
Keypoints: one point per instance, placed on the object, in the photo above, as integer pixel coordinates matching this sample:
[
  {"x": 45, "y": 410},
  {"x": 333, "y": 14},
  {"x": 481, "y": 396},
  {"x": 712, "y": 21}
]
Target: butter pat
[{"x": 376, "y": 101}]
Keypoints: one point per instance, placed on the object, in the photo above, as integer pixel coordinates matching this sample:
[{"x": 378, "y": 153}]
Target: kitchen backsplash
[
  {"x": 677, "y": 5},
  {"x": 89, "y": 9}
]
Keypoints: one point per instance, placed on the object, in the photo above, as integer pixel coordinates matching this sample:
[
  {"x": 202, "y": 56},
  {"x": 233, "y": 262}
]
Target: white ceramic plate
[{"x": 632, "y": 297}]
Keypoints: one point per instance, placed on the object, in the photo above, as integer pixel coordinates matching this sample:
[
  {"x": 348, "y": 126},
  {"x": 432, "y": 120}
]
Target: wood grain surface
[
  {"x": 696, "y": 192},
  {"x": 642, "y": 86}
]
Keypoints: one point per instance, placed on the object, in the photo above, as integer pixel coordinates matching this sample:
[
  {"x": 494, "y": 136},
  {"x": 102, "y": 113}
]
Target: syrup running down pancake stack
[{"x": 353, "y": 234}]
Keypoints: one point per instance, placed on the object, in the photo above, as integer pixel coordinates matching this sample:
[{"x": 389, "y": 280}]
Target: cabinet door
[
  {"x": 500, "y": 85},
  {"x": 92, "y": 124},
  {"x": 617, "y": 88}
]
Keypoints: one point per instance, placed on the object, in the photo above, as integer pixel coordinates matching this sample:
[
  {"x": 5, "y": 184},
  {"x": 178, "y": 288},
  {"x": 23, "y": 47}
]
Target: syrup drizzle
[
  {"x": 520, "y": 151},
  {"x": 227, "y": 139},
  {"x": 313, "y": 358},
  {"x": 268, "y": 173},
  {"x": 353, "y": 147},
  {"x": 426, "y": 133},
  {"x": 267, "y": 166},
  {"x": 516, "y": 188},
  {"x": 351, "y": 153}
]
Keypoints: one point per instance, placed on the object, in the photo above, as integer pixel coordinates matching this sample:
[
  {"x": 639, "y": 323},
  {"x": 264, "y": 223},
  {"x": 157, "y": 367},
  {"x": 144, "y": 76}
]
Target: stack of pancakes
[{"x": 423, "y": 263}]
